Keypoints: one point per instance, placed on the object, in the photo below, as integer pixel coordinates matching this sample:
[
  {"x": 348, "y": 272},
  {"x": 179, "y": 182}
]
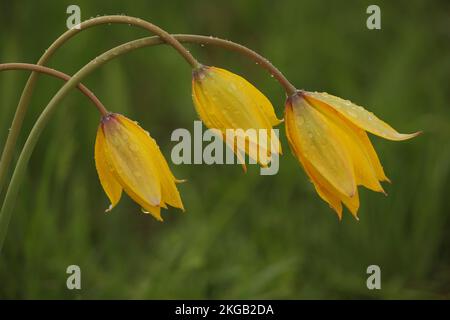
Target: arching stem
[
  {"x": 24, "y": 101},
  {"x": 136, "y": 44},
  {"x": 57, "y": 74},
  {"x": 19, "y": 171}
]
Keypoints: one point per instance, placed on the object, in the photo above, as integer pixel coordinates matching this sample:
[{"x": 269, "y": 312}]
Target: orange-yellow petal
[
  {"x": 110, "y": 185},
  {"x": 313, "y": 136},
  {"x": 352, "y": 138},
  {"x": 170, "y": 194},
  {"x": 224, "y": 100},
  {"x": 328, "y": 193},
  {"x": 132, "y": 161},
  {"x": 361, "y": 117}
]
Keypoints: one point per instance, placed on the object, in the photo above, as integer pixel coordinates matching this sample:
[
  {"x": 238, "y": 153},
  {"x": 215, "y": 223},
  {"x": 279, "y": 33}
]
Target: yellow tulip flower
[
  {"x": 328, "y": 136},
  {"x": 225, "y": 100},
  {"x": 127, "y": 158}
]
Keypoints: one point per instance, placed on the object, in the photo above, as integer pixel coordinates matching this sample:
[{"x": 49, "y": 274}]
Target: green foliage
[{"x": 243, "y": 235}]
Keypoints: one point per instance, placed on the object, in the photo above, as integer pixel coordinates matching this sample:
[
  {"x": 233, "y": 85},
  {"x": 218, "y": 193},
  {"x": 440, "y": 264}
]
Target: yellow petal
[
  {"x": 154, "y": 211},
  {"x": 373, "y": 157},
  {"x": 259, "y": 145},
  {"x": 360, "y": 117},
  {"x": 224, "y": 100},
  {"x": 258, "y": 100},
  {"x": 112, "y": 187},
  {"x": 132, "y": 162},
  {"x": 312, "y": 136},
  {"x": 328, "y": 193},
  {"x": 231, "y": 143},
  {"x": 351, "y": 137},
  {"x": 170, "y": 194}
]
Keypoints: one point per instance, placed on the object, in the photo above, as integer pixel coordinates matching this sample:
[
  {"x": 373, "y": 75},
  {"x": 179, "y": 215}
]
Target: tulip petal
[
  {"x": 359, "y": 116},
  {"x": 376, "y": 164},
  {"x": 328, "y": 193},
  {"x": 133, "y": 162},
  {"x": 170, "y": 194},
  {"x": 154, "y": 211},
  {"x": 110, "y": 185},
  {"x": 231, "y": 143},
  {"x": 352, "y": 139},
  {"x": 314, "y": 137},
  {"x": 258, "y": 100},
  {"x": 225, "y": 101}
]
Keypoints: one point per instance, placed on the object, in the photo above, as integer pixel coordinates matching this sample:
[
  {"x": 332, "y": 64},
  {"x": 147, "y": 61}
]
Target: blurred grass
[{"x": 243, "y": 236}]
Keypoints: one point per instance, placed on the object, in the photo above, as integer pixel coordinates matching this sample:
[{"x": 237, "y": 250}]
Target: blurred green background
[{"x": 243, "y": 235}]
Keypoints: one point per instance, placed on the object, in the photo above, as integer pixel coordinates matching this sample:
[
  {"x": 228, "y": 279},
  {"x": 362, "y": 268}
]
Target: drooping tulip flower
[
  {"x": 128, "y": 159},
  {"x": 328, "y": 136},
  {"x": 225, "y": 100}
]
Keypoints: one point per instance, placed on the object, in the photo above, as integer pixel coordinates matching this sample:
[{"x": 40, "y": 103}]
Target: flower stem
[
  {"x": 57, "y": 74},
  {"x": 24, "y": 101},
  {"x": 230, "y": 45},
  {"x": 19, "y": 171}
]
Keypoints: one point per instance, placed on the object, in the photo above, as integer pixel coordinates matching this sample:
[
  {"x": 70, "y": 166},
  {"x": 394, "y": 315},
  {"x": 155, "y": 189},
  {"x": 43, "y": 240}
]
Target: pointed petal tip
[
  {"x": 157, "y": 217},
  {"x": 111, "y": 206},
  {"x": 407, "y": 136},
  {"x": 281, "y": 120}
]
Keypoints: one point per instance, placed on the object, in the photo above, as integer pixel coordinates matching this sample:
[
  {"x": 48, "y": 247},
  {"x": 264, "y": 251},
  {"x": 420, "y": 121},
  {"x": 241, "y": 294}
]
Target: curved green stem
[
  {"x": 57, "y": 74},
  {"x": 19, "y": 171},
  {"x": 24, "y": 101},
  {"x": 229, "y": 45},
  {"x": 6, "y": 210}
]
